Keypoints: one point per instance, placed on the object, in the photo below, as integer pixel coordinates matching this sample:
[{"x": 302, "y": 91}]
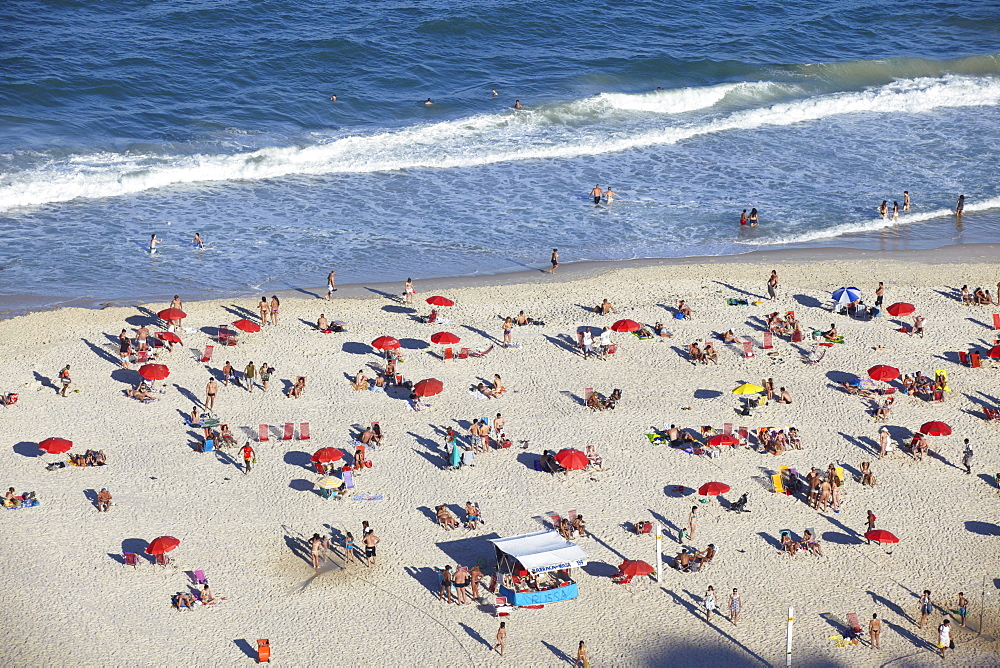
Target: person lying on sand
[
  {"x": 446, "y": 519},
  {"x": 661, "y": 330},
  {"x": 730, "y": 337},
  {"x": 486, "y": 392}
]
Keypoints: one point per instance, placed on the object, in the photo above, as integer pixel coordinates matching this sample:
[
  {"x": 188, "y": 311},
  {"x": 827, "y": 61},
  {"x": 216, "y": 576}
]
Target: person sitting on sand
[
  {"x": 377, "y": 433},
  {"x": 379, "y": 381},
  {"x": 613, "y": 399},
  {"x": 103, "y": 500},
  {"x": 595, "y": 402},
  {"x": 682, "y": 561},
  {"x": 205, "y": 596},
  {"x": 445, "y": 518},
  {"x": 987, "y": 299},
  {"x": 867, "y": 477},
  {"x": 730, "y": 337},
  {"x": 811, "y": 544},
  {"x": 831, "y": 334},
  {"x": 550, "y": 464},
  {"x": 565, "y": 529},
  {"x": 296, "y": 390},
  {"x": 705, "y": 556},
  {"x": 361, "y": 380},
  {"x": 322, "y": 324},
  {"x": 697, "y": 356},
  {"x": 141, "y": 392},
  {"x": 661, "y": 330},
  {"x": 784, "y": 397},
  {"x": 684, "y": 309},
  {"x": 710, "y": 354},
  {"x": 605, "y": 308},
  {"x": 418, "y": 403},
  {"x": 522, "y": 319},
  {"x": 359, "y": 458},
  {"x": 430, "y": 317},
  {"x": 498, "y": 385},
  {"x": 367, "y": 435},
  {"x": 918, "y": 325}
]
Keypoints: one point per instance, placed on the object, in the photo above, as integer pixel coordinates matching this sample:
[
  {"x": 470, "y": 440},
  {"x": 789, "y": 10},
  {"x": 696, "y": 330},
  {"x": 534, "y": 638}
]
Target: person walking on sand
[
  {"x": 501, "y": 638},
  {"x": 967, "y": 461},
  {"x": 331, "y": 285},
  {"x": 265, "y": 375},
  {"x": 879, "y": 294},
  {"x": 124, "y": 348},
  {"x": 926, "y": 607},
  {"x": 597, "y": 193},
  {"x": 408, "y": 291},
  {"x": 274, "y": 309},
  {"x": 265, "y": 311},
  {"x": 582, "y": 658},
  {"x": 64, "y": 380},
  {"x": 963, "y": 607},
  {"x": 227, "y": 373},
  {"x": 735, "y": 606},
  {"x": 211, "y": 389},
  {"x": 874, "y": 631},
  {"x": 944, "y": 636},
  {"x": 249, "y": 373},
  {"x": 555, "y": 260},
  {"x": 870, "y": 523},
  {"x": 249, "y": 458},
  {"x": 772, "y": 285},
  {"x": 370, "y": 541},
  {"x": 883, "y": 442},
  {"x": 710, "y": 604}
]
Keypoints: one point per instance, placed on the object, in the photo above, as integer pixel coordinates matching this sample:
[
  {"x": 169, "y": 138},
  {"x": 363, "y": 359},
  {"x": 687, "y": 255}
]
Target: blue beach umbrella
[{"x": 846, "y": 295}]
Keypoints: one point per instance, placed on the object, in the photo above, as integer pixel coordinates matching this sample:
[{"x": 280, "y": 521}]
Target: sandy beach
[{"x": 72, "y": 601}]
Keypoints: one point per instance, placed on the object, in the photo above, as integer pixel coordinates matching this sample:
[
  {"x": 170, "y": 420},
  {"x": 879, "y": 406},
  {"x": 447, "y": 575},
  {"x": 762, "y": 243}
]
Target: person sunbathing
[
  {"x": 811, "y": 544},
  {"x": 550, "y": 464},
  {"x": 794, "y": 439},
  {"x": 486, "y": 392},
  {"x": 360, "y": 379},
  {"x": 580, "y": 526},
  {"x": 908, "y": 385},
  {"x": 359, "y": 458},
  {"x": 522, "y": 319},
  {"x": 379, "y": 380},
  {"x": 594, "y": 402},
  {"x": 367, "y": 435},
  {"x": 682, "y": 561},
  {"x": 644, "y": 333},
  {"x": 430, "y": 317},
  {"x": 780, "y": 442},
  {"x": 390, "y": 369},
  {"x": 710, "y": 354},
  {"x": 565, "y": 529},
  {"x": 378, "y": 435},
  {"x": 613, "y": 399},
  {"x": 661, "y": 330},
  {"x": 418, "y": 403},
  {"x": 605, "y": 308},
  {"x": 706, "y": 556},
  {"x": 882, "y": 413},
  {"x": 184, "y": 600},
  {"x": 472, "y": 511},
  {"x": 730, "y": 337},
  {"x": 789, "y": 545},
  {"x": 964, "y": 295},
  {"x": 296, "y": 390},
  {"x": 141, "y": 392},
  {"x": 867, "y": 477},
  {"x": 498, "y": 385},
  {"x": 445, "y": 518},
  {"x": 322, "y": 324},
  {"x": 831, "y": 334},
  {"x": 205, "y": 596},
  {"x": 987, "y": 299},
  {"x": 697, "y": 356},
  {"x": 784, "y": 397},
  {"x": 684, "y": 309},
  {"x": 791, "y": 321}
]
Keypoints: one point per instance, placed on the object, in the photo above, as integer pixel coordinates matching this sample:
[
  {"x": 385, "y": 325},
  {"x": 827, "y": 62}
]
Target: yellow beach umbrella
[
  {"x": 329, "y": 482},
  {"x": 748, "y": 388}
]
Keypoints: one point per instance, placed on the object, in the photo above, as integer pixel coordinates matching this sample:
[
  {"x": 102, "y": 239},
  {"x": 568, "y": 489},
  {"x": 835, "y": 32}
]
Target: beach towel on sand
[{"x": 367, "y": 497}]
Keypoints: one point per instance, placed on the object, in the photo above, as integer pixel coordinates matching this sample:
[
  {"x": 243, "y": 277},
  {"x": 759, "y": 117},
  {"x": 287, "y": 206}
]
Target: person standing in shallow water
[
  {"x": 555, "y": 260},
  {"x": 960, "y": 205},
  {"x": 753, "y": 217},
  {"x": 597, "y": 193}
]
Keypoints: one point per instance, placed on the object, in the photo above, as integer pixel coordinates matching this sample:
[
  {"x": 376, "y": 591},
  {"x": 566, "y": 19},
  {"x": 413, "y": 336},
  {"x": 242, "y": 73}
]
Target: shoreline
[{"x": 13, "y": 306}]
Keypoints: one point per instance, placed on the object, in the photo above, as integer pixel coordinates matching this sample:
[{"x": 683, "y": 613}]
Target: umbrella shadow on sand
[{"x": 136, "y": 546}]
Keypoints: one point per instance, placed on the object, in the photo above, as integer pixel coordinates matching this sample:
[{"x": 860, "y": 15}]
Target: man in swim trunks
[
  {"x": 597, "y": 193},
  {"x": 370, "y": 541},
  {"x": 906, "y": 200},
  {"x": 555, "y": 260},
  {"x": 211, "y": 389},
  {"x": 331, "y": 285}
]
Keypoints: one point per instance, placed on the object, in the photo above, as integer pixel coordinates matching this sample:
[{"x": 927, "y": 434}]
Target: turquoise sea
[{"x": 121, "y": 121}]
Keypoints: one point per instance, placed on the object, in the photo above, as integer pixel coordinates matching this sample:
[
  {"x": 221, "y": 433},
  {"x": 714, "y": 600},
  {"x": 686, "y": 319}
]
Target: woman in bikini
[
  {"x": 508, "y": 327},
  {"x": 274, "y": 309},
  {"x": 265, "y": 311}
]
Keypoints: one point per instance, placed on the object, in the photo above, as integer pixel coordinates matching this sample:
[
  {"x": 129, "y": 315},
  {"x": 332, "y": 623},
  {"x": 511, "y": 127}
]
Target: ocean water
[{"x": 214, "y": 117}]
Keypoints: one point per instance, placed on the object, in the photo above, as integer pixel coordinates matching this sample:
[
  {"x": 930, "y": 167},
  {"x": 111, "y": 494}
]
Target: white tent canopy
[{"x": 542, "y": 551}]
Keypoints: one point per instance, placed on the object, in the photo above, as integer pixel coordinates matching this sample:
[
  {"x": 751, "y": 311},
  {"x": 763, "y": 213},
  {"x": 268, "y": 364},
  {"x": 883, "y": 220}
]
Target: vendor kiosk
[{"x": 535, "y": 568}]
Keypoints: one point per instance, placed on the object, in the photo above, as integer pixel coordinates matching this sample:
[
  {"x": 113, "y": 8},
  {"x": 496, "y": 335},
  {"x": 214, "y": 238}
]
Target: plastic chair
[
  {"x": 974, "y": 360},
  {"x": 131, "y": 559},
  {"x": 304, "y": 431},
  {"x": 996, "y": 321},
  {"x": 289, "y": 431},
  {"x": 501, "y": 608},
  {"x": 262, "y": 433},
  {"x": 768, "y": 341},
  {"x": 963, "y": 358},
  {"x": 207, "y": 355},
  {"x": 449, "y": 354},
  {"x": 747, "y": 349},
  {"x": 264, "y": 651}
]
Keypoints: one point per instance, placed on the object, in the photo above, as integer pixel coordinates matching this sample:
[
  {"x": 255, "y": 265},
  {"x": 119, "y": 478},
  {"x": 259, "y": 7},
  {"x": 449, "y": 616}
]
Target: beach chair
[
  {"x": 587, "y": 391},
  {"x": 501, "y": 608},
  {"x": 264, "y": 651},
  {"x": 348, "y": 477},
  {"x": 463, "y": 354},
  {"x": 554, "y": 520},
  {"x": 853, "y": 624},
  {"x": 262, "y": 433},
  {"x": 797, "y": 336},
  {"x": 974, "y": 360},
  {"x": 469, "y": 458},
  {"x": 963, "y": 358},
  {"x": 304, "y": 431},
  {"x": 779, "y": 486},
  {"x": 289, "y": 431},
  {"x": 9, "y": 400},
  {"x": 643, "y": 528},
  {"x": 207, "y": 355},
  {"x": 744, "y": 434},
  {"x": 768, "y": 341},
  {"x": 162, "y": 560},
  {"x": 996, "y": 321},
  {"x": 747, "y": 349},
  {"x": 621, "y": 579},
  {"x": 571, "y": 515},
  {"x": 612, "y": 349},
  {"x": 142, "y": 357},
  {"x": 727, "y": 428},
  {"x": 131, "y": 559},
  {"x": 223, "y": 337},
  {"x": 198, "y": 578},
  {"x": 449, "y": 354},
  {"x": 595, "y": 459},
  {"x": 991, "y": 413}
]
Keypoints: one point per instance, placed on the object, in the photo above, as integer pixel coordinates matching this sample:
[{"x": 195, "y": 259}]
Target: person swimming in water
[
  {"x": 333, "y": 98},
  {"x": 197, "y": 240},
  {"x": 517, "y": 104},
  {"x": 428, "y": 102},
  {"x": 883, "y": 209},
  {"x": 495, "y": 93},
  {"x": 153, "y": 241}
]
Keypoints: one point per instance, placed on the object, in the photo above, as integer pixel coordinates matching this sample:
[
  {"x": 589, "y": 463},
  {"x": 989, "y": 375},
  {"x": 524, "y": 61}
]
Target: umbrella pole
[{"x": 659, "y": 551}]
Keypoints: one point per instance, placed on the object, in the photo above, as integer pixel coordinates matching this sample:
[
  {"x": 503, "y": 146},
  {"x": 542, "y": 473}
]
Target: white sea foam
[
  {"x": 470, "y": 142},
  {"x": 873, "y": 225}
]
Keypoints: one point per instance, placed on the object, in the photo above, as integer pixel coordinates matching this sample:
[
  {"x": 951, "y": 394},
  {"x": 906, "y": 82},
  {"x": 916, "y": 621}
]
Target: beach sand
[{"x": 69, "y": 600}]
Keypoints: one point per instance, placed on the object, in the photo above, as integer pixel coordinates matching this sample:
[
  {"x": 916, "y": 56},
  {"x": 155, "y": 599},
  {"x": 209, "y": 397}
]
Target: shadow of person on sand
[{"x": 475, "y": 635}]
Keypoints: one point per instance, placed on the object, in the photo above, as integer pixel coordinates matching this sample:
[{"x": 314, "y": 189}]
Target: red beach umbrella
[
  {"x": 168, "y": 336},
  {"x": 446, "y": 338},
  {"x": 635, "y": 568},
  {"x": 881, "y": 536},
  {"x": 724, "y": 439},
  {"x": 994, "y": 353},
  {"x": 154, "y": 371},
  {"x": 162, "y": 545},
  {"x": 713, "y": 488},
  {"x": 572, "y": 459},
  {"x": 901, "y": 309},
  {"x": 327, "y": 455},
  {"x": 935, "y": 428},
  {"x": 883, "y": 372},
  {"x": 56, "y": 446},
  {"x": 438, "y": 300},
  {"x": 385, "y": 343},
  {"x": 172, "y": 314},
  {"x": 245, "y": 325},
  {"x": 428, "y": 387},
  {"x": 626, "y": 326}
]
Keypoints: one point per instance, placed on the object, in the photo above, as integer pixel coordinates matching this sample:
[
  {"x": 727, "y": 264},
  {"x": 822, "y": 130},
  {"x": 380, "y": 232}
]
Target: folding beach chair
[
  {"x": 142, "y": 357},
  {"x": 555, "y": 520},
  {"x": 207, "y": 355},
  {"x": 449, "y": 354},
  {"x": 463, "y": 354},
  {"x": 744, "y": 434},
  {"x": 747, "y": 349},
  {"x": 963, "y": 358},
  {"x": 224, "y": 335},
  {"x": 289, "y": 431},
  {"x": 768, "y": 341},
  {"x": 348, "y": 478},
  {"x": 797, "y": 336},
  {"x": 131, "y": 559},
  {"x": 779, "y": 487},
  {"x": 727, "y": 428},
  {"x": 262, "y": 433},
  {"x": 482, "y": 353},
  {"x": 996, "y": 321},
  {"x": 198, "y": 578},
  {"x": 974, "y": 360},
  {"x": 587, "y": 391},
  {"x": 991, "y": 413},
  {"x": 162, "y": 560},
  {"x": 501, "y": 608},
  {"x": 304, "y": 431}
]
